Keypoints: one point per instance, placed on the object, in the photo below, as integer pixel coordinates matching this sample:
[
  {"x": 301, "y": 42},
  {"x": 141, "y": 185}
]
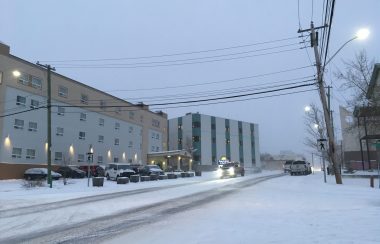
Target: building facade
[
  {"x": 211, "y": 138},
  {"x": 361, "y": 129},
  {"x": 82, "y": 117}
]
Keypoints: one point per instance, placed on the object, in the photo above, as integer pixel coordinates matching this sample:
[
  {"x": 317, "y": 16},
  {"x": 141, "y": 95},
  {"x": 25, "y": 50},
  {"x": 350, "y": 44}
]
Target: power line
[
  {"x": 173, "y": 54},
  {"x": 214, "y": 82},
  {"x": 167, "y": 103},
  {"x": 186, "y": 59},
  {"x": 122, "y": 66}
]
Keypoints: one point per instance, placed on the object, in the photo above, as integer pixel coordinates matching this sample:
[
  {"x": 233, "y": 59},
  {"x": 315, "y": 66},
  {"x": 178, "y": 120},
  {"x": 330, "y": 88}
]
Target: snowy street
[{"x": 203, "y": 209}]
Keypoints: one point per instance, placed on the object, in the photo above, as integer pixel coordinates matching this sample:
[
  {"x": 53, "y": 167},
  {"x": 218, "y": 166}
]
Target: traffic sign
[{"x": 322, "y": 145}]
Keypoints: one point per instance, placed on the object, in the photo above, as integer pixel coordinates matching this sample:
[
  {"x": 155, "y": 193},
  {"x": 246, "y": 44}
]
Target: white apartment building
[
  {"x": 212, "y": 138},
  {"x": 82, "y": 116}
]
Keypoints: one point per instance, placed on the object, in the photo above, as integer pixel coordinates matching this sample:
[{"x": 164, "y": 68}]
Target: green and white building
[{"x": 211, "y": 138}]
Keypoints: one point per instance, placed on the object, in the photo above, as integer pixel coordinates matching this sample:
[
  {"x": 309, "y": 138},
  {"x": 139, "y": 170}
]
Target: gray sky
[{"x": 72, "y": 30}]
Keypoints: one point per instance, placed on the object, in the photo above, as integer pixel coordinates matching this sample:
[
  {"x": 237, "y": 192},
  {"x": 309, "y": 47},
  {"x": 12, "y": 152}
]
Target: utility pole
[
  {"x": 322, "y": 94},
  {"x": 49, "y": 69}
]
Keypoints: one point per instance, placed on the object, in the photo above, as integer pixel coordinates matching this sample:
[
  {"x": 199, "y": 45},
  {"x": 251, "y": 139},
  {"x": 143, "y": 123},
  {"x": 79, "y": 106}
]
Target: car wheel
[{"x": 108, "y": 177}]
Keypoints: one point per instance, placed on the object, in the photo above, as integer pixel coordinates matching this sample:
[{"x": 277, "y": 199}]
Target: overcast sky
[{"x": 86, "y": 29}]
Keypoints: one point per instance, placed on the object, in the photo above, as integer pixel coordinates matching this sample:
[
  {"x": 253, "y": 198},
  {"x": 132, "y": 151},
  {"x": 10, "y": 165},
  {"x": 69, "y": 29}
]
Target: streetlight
[
  {"x": 362, "y": 34},
  {"x": 307, "y": 108}
]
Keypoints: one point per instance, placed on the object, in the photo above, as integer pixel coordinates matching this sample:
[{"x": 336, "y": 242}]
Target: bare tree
[
  {"x": 356, "y": 78},
  {"x": 315, "y": 126}
]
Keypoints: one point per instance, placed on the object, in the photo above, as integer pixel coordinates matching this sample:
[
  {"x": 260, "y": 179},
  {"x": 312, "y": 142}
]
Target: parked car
[
  {"x": 95, "y": 170},
  {"x": 230, "y": 169},
  {"x": 287, "y": 165},
  {"x": 299, "y": 167},
  {"x": 151, "y": 169},
  {"x": 40, "y": 174},
  {"x": 71, "y": 172},
  {"x": 115, "y": 170}
]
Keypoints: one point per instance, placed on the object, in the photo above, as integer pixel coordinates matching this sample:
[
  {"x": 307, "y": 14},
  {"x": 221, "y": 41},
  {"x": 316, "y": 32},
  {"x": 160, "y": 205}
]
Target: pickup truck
[
  {"x": 299, "y": 167},
  {"x": 230, "y": 169}
]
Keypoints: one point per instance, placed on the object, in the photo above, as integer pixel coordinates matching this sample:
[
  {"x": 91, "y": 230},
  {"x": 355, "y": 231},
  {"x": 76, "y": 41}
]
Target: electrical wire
[
  {"x": 172, "y": 54},
  {"x": 125, "y": 66}
]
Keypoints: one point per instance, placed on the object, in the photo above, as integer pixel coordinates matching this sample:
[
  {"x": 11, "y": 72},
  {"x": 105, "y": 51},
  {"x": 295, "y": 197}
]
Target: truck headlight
[{"x": 231, "y": 170}]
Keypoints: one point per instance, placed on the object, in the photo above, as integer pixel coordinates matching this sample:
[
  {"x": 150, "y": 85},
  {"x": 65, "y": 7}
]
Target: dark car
[
  {"x": 151, "y": 169},
  {"x": 230, "y": 169},
  {"x": 71, "y": 172},
  {"x": 40, "y": 174},
  {"x": 95, "y": 170}
]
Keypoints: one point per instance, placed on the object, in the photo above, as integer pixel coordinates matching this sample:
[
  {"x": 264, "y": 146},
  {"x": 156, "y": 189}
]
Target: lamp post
[
  {"x": 362, "y": 34},
  {"x": 90, "y": 159}
]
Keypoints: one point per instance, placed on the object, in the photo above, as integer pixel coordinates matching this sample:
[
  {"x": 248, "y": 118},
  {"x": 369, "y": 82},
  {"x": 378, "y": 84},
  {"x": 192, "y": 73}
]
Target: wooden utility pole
[{"x": 49, "y": 69}]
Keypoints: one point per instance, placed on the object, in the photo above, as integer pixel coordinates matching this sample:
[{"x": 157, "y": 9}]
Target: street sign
[{"x": 322, "y": 145}]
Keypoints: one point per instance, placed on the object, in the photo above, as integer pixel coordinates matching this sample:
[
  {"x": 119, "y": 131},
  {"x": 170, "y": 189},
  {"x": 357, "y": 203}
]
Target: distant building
[
  {"x": 361, "y": 128},
  {"x": 81, "y": 116},
  {"x": 209, "y": 138}
]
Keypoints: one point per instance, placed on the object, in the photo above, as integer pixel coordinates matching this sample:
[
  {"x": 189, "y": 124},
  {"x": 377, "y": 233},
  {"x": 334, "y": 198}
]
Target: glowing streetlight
[
  {"x": 362, "y": 34},
  {"x": 16, "y": 73},
  {"x": 316, "y": 126},
  {"x": 307, "y": 108}
]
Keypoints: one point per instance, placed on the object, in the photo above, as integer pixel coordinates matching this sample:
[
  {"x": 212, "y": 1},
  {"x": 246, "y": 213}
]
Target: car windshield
[
  {"x": 299, "y": 162},
  {"x": 153, "y": 167},
  {"x": 123, "y": 166}
]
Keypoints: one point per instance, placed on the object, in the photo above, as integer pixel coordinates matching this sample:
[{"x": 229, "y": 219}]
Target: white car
[{"x": 115, "y": 170}]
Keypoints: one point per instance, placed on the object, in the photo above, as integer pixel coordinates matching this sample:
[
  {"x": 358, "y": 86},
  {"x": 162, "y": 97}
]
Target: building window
[
  {"x": 130, "y": 129},
  {"x": 36, "y": 82},
  {"x": 61, "y": 111},
  {"x": 130, "y": 144},
  {"x": 155, "y": 123},
  {"x": 31, "y": 153},
  {"x": 180, "y": 141},
  {"x": 34, "y": 103},
  {"x": 58, "y": 156},
  {"x": 80, "y": 157},
  {"x": 213, "y": 140},
  {"x": 152, "y": 150},
  {"x": 240, "y": 130},
  {"x": 83, "y": 117},
  {"x": 227, "y": 128},
  {"x": 63, "y": 91},
  {"x": 153, "y": 135},
  {"x": 131, "y": 115},
  {"x": 103, "y": 105},
  {"x": 228, "y": 141},
  {"x": 84, "y": 98},
  {"x": 100, "y": 138},
  {"x": 196, "y": 138},
  {"x": 179, "y": 127},
  {"x": 118, "y": 110},
  {"x": 115, "y": 159},
  {"x": 196, "y": 124},
  {"x": 82, "y": 135},
  {"x": 21, "y": 100},
  {"x": 197, "y": 158},
  {"x": 117, "y": 126},
  {"x": 59, "y": 131},
  {"x": 117, "y": 141},
  {"x": 32, "y": 126},
  {"x": 24, "y": 79},
  {"x": 157, "y": 136},
  {"x": 29, "y": 80},
  {"x": 100, "y": 159},
  {"x": 213, "y": 127},
  {"x": 19, "y": 124},
  {"x": 101, "y": 121},
  {"x": 157, "y": 149},
  {"x": 16, "y": 152}
]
